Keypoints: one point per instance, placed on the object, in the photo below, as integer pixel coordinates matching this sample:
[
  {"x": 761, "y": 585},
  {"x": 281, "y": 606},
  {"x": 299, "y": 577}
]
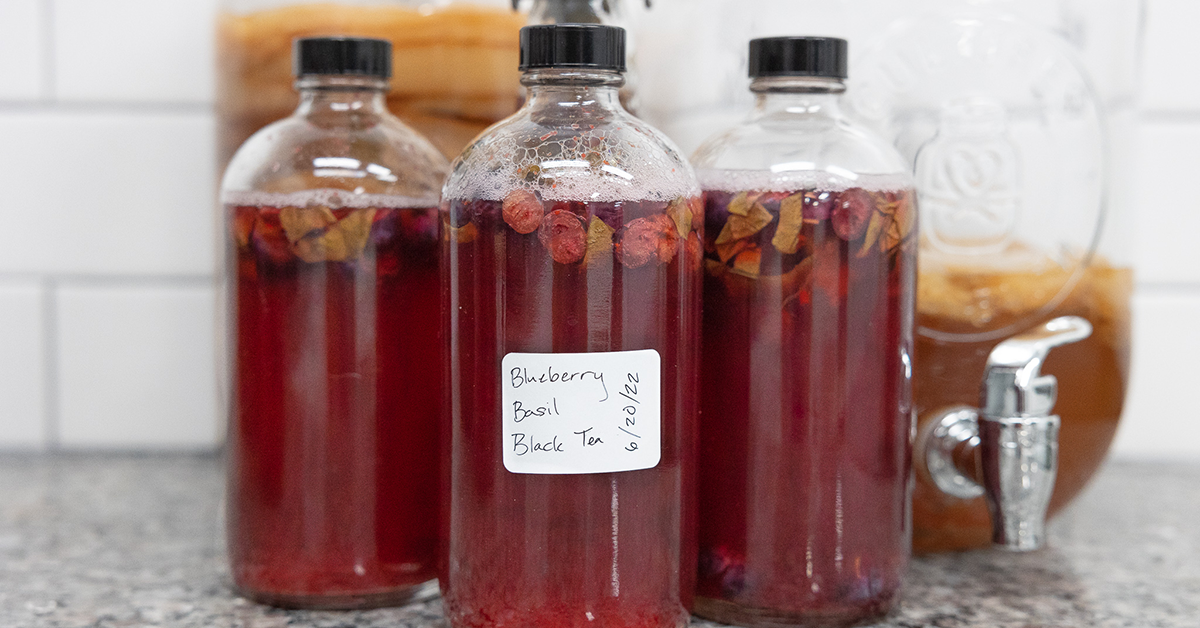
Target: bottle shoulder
[
  {"x": 611, "y": 156},
  {"x": 788, "y": 146},
  {"x": 375, "y": 154}
]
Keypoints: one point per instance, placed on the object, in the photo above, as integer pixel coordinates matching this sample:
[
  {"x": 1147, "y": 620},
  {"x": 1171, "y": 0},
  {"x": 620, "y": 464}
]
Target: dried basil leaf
[
  {"x": 791, "y": 219},
  {"x": 299, "y": 222},
  {"x": 903, "y": 221},
  {"x": 681, "y": 213},
  {"x": 730, "y": 249},
  {"x": 344, "y": 239},
  {"x": 599, "y": 241},
  {"x": 875, "y": 228},
  {"x": 740, "y": 205},
  {"x": 742, "y": 227}
]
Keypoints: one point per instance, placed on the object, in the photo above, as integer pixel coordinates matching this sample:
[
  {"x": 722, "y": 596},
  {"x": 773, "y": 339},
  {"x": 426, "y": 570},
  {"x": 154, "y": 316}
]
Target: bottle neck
[
  {"x": 797, "y": 95},
  {"x": 324, "y": 94},
  {"x": 574, "y": 88}
]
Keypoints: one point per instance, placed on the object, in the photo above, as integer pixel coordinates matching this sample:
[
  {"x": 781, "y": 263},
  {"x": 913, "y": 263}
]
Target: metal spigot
[{"x": 1012, "y": 439}]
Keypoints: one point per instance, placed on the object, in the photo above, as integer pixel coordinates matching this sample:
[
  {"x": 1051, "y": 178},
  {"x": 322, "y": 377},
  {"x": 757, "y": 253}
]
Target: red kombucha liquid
[
  {"x": 603, "y": 550},
  {"x": 805, "y": 405},
  {"x": 333, "y": 440}
]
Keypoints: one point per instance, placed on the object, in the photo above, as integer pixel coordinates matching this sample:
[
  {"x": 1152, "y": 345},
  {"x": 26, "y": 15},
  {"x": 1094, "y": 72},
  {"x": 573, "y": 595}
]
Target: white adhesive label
[{"x": 569, "y": 413}]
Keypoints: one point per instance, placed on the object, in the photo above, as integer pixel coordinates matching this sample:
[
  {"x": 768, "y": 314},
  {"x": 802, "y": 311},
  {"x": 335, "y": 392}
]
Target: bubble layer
[
  {"x": 326, "y": 197},
  {"x": 790, "y": 181}
]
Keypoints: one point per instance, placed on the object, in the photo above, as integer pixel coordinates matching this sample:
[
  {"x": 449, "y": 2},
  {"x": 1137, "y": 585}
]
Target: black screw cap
[
  {"x": 798, "y": 56},
  {"x": 342, "y": 55},
  {"x": 593, "y": 46}
]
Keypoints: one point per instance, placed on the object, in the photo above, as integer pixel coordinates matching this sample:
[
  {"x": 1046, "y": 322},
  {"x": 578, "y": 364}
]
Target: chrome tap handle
[{"x": 1012, "y": 437}]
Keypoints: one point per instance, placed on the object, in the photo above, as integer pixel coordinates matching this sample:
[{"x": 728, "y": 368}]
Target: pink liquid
[
  {"x": 333, "y": 452},
  {"x": 558, "y": 551},
  {"x": 805, "y": 409}
]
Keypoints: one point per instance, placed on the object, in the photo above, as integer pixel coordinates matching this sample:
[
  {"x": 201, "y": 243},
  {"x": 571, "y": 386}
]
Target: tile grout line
[{"x": 50, "y": 409}]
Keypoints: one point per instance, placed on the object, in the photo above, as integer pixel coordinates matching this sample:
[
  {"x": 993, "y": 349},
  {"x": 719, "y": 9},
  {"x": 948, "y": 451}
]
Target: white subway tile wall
[
  {"x": 135, "y": 364},
  {"x": 23, "y": 66},
  {"x": 22, "y": 363},
  {"x": 107, "y": 194},
  {"x": 107, "y": 311},
  {"x": 134, "y": 51}
]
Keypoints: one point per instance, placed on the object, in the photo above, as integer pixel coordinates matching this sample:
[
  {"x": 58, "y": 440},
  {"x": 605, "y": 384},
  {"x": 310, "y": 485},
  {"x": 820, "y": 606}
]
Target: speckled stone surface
[{"x": 124, "y": 541}]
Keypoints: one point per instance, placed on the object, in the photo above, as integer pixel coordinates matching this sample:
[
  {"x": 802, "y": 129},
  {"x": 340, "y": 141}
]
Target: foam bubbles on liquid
[
  {"x": 587, "y": 165},
  {"x": 326, "y": 197},
  {"x": 791, "y": 181}
]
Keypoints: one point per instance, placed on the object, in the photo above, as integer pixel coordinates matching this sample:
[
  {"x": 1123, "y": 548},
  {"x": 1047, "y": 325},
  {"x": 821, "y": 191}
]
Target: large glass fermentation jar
[
  {"x": 1008, "y": 142},
  {"x": 573, "y": 246},
  {"x": 809, "y": 259},
  {"x": 332, "y": 284},
  {"x": 455, "y": 62}
]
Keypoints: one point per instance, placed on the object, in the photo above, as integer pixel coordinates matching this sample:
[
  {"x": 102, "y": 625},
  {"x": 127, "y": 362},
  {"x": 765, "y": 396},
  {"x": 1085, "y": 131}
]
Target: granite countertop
[{"x": 124, "y": 541}]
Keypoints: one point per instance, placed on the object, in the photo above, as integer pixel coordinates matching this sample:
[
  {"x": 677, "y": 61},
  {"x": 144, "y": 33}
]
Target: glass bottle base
[
  {"x": 343, "y": 601},
  {"x": 734, "y": 614}
]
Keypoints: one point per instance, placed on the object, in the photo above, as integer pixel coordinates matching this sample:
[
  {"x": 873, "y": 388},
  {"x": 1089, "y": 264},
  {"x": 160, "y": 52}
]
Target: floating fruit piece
[
  {"x": 242, "y": 224},
  {"x": 696, "y": 204},
  {"x": 695, "y": 250},
  {"x": 668, "y": 237},
  {"x": 639, "y": 242},
  {"x": 748, "y": 263},
  {"x": 681, "y": 213},
  {"x": 819, "y": 205},
  {"x": 523, "y": 211},
  {"x": 461, "y": 213},
  {"x": 268, "y": 239},
  {"x": 599, "y": 241},
  {"x": 613, "y": 214},
  {"x": 414, "y": 226},
  {"x": 851, "y": 213},
  {"x": 562, "y": 234},
  {"x": 464, "y": 234},
  {"x": 791, "y": 219}
]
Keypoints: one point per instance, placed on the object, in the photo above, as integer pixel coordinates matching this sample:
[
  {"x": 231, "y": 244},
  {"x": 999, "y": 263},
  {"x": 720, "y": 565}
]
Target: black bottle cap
[
  {"x": 573, "y": 46},
  {"x": 798, "y": 56},
  {"x": 342, "y": 55}
]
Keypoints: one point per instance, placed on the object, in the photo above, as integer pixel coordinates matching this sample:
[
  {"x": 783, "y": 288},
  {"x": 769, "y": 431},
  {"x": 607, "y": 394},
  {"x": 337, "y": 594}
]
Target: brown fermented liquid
[
  {"x": 1092, "y": 375},
  {"x": 454, "y": 68}
]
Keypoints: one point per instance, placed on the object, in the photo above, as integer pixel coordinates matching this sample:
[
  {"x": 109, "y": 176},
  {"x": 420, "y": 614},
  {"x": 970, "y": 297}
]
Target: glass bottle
[
  {"x": 805, "y": 385},
  {"x": 572, "y": 253},
  {"x": 455, "y": 62},
  {"x": 332, "y": 233}
]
